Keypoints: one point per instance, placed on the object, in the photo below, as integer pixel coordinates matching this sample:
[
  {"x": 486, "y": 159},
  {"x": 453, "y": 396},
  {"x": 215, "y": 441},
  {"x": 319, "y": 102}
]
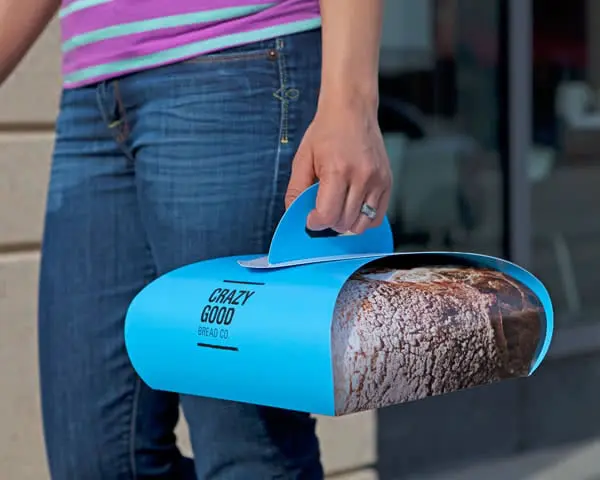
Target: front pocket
[{"x": 252, "y": 51}]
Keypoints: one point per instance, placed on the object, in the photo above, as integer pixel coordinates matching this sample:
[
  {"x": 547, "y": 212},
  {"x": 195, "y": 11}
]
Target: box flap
[{"x": 292, "y": 244}]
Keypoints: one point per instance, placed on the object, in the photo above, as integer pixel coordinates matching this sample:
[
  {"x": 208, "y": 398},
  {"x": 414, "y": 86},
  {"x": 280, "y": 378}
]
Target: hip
[{"x": 222, "y": 127}]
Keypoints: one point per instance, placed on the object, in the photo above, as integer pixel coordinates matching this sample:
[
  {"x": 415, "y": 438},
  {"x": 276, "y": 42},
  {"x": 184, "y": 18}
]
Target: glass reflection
[
  {"x": 439, "y": 114},
  {"x": 564, "y": 166}
]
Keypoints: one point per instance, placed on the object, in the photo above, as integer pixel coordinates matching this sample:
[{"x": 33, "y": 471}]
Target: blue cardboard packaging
[{"x": 334, "y": 325}]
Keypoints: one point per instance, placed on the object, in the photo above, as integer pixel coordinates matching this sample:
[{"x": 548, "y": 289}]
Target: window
[
  {"x": 440, "y": 114},
  {"x": 564, "y": 162}
]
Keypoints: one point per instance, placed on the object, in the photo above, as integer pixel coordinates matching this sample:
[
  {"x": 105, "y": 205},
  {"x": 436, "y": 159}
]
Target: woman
[{"x": 185, "y": 129}]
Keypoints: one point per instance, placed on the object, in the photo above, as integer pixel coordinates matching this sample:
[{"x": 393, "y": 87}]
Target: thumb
[{"x": 302, "y": 177}]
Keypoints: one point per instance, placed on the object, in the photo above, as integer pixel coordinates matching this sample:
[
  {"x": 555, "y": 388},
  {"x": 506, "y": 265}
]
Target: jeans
[{"x": 152, "y": 171}]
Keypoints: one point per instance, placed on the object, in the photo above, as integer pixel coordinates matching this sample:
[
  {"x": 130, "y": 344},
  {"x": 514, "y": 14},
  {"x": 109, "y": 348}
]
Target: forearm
[
  {"x": 351, "y": 38},
  {"x": 21, "y": 23}
]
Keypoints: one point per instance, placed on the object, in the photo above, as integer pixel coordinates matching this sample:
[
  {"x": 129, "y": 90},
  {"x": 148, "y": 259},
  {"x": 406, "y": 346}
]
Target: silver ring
[{"x": 368, "y": 211}]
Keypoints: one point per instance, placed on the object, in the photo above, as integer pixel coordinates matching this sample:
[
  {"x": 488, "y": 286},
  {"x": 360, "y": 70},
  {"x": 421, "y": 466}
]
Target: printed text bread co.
[{"x": 220, "y": 310}]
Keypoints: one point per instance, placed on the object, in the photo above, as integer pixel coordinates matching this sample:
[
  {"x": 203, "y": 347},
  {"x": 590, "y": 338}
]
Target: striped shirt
[{"x": 102, "y": 39}]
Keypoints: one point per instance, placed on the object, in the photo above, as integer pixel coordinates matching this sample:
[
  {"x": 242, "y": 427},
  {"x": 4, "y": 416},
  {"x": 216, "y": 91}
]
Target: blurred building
[
  {"x": 493, "y": 128},
  {"x": 491, "y": 116}
]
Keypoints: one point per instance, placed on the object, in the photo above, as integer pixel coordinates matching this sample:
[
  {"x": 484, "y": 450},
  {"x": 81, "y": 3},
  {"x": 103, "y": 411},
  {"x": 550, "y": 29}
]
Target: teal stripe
[
  {"x": 79, "y": 5},
  {"x": 159, "y": 23},
  {"x": 190, "y": 50}
]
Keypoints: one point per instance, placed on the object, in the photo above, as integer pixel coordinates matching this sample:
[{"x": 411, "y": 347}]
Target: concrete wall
[{"x": 28, "y": 104}]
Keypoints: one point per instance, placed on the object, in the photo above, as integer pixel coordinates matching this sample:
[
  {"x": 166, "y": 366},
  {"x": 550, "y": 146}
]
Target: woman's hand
[{"x": 343, "y": 149}]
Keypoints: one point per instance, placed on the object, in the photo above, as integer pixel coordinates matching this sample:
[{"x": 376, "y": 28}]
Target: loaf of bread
[{"x": 402, "y": 335}]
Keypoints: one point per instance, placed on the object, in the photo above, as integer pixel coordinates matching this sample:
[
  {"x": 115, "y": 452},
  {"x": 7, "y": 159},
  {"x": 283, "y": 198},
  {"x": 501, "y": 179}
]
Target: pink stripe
[
  {"x": 141, "y": 44},
  {"x": 118, "y": 12},
  {"x": 110, "y": 75}
]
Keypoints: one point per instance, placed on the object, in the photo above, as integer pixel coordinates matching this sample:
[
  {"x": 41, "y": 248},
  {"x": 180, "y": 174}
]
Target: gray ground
[{"x": 544, "y": 427}]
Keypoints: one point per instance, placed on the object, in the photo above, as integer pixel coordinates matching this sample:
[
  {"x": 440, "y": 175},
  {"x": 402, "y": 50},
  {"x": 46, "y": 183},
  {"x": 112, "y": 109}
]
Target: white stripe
[{"x": 78, "y": 5}]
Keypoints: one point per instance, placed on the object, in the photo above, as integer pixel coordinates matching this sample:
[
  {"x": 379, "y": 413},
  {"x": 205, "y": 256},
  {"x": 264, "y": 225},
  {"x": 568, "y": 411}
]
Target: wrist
[{"x": 355, "y": 95}]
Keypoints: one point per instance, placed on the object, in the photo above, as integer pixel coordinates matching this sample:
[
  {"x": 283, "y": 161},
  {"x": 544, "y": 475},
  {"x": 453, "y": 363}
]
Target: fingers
[
  {"x": 340, "y": 199},
  {"x": 362, "y": 222},
  {"x": 331, "y": 198},
  {"x": 354, "y": 200},
  {"x": 349, "y": 177},
  {"x": 384, "y": 201},
  {"x": 302, "y": 176}
]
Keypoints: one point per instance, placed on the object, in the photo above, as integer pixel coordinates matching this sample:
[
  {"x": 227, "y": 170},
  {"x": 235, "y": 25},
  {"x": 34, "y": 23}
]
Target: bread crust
[{"x": 400, "y": 335}]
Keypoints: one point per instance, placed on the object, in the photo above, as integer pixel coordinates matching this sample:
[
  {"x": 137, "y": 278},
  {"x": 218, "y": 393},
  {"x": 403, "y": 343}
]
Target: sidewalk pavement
[{"x": 571, "y": 462}]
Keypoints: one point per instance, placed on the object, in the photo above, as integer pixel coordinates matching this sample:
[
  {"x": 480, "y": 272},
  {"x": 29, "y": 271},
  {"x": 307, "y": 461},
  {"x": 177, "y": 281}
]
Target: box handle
[{"x": 292, "y": 241}]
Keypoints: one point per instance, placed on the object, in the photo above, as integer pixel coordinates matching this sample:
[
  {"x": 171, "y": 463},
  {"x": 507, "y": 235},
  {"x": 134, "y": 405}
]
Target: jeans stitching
[
  {"x": 281, "y": 93},
  {"x": 150, "y": 273},
  {"x": 100, "y": 101},
  {"x": 277, "y": 159},
  {"x": 122, "y": 122},
  {"x": 133, "y": 427},
  {"x": 231, "y": 57},
  {"x": 122, "y": 135}
]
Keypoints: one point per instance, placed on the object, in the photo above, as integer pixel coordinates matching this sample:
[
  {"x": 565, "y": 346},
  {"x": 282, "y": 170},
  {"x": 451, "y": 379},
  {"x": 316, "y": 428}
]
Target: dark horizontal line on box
[
  {"x": 218, "y": 347},
  {"x": 242, "y": 282}
]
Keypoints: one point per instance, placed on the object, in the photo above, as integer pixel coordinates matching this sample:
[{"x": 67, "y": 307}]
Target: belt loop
[
  {"x": 103, "y": 102},
  {"x": 121, "y": 121}
]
